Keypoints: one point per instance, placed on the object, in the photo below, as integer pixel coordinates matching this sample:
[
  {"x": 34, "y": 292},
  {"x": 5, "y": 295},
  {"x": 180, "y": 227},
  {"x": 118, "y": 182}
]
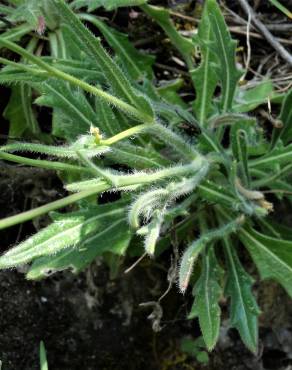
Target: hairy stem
[{"x": 54, "y": 72}]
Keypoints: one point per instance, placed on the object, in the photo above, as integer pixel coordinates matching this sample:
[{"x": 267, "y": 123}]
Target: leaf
[
  {"x": 278, "y": 156},
  {"x": 17, "y": 32},
  {"x": 107, "y": 4},
  {"x": 114, "y": 75},
  {"x": 19, "y": 112},
  {"x": 43, "y": 357},
  {"x": 224, "y": 48},
  {"x": 69, "y": 104},
  {"x": 284, "y": 133},
  {"x": 195, "y": 249},
  {"x": 272, "y": 256},
  {"x": 135, "y": 64},
  {"x": 243, "y": 307},
  {"x": 246, "y": 100},
  {"x": 207, "y": 292},
  {"x": 204, "y": 77},
  {"x": 169, "y": 92},
  {"x": 85, "y": 234},
  {"x": 216, "y": 193},
  {"x": 137, "y": 157},
  {"x": 162, "y": 17}
]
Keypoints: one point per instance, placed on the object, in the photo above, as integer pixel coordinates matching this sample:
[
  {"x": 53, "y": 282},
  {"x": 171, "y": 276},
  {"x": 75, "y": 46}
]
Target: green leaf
[
  {"x": 16, "y": 33},
  {"x": 69, "y": 104},
  {"x": 162, "y": 17},
  {"x": 243, "y": 308},
  {"x": 43, "y": 357},
  {"x": 272, "y": 256},
  {"x": 107, "y": 4},
  {"x": 246, "y": 100},
  {"x": 207, "y": 292},
  {"x": 284, "y": 133},
  {"x": 278, "y": 156},
  {"x": 19, "y": 112},
  {"x": 114, "y": 238},
  {"x": 195, "y": 249},
  {"x": 169, "y": 92},
  {"x": 91, "y": 231},
  {"x": 224, "y": 48},
  {"x": 135, "y": 64},
  {"x": 114, "y": 75},
  {"x": 204, "y": 77}
]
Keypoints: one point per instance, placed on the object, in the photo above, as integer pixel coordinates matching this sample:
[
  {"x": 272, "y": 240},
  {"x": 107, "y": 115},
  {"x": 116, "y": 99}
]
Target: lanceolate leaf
[
  {"x": 114, "y": 237},
  {"x": 162, "y": 17},
  {"x": 84, "y": 230},
  {"x": 135, "y": 64},
  {"x": 272, "y": 256},
  {"x": 207, "y": 292},
  {"x": 204, "y": 77},
  {"x": 195, "y": 249},
  {"x": 224, "y": 48},
  {"x": 243, "y": 307}
]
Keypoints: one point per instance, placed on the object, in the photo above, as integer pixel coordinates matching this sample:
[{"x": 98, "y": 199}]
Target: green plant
[
  {"x": 208, "y": 187},
  {"x": 43, "y": 357},
  {"x": 195, "y": 348}
]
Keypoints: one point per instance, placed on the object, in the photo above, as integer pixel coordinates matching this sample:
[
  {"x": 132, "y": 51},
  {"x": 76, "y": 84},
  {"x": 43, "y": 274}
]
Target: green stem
[
  {"x": 98, "y": 188},
  {"x": 22, "y": 67},
  {"x": 29, "y": 215},
  {"x": 166, "y": 135},
  {"x": 142, "y": 178},
  {"x": 125, "y": 134},
  {"x": 54, "y": 72},
  {"x": 50, "y": 165}
]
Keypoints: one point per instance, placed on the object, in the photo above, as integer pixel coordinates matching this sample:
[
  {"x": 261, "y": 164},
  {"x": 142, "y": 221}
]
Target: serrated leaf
[
  {"x": 135, "y": 64},
  {"x": 243, "y": 307},
  {"x": 284, "y": 133},
  {"x": 69, "y": 104},
  {"x": 204, "y": 77},
  {"x": 107, "y": 4},
  {"x": 246, "y": 100},
  {"x": 84, "y": 230},
  {"x": 207, "y": 292},
  {"x": 162, "y": 17},
  {"x": 224, "y": 48},
  {"x": 272, "y": 256}
]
